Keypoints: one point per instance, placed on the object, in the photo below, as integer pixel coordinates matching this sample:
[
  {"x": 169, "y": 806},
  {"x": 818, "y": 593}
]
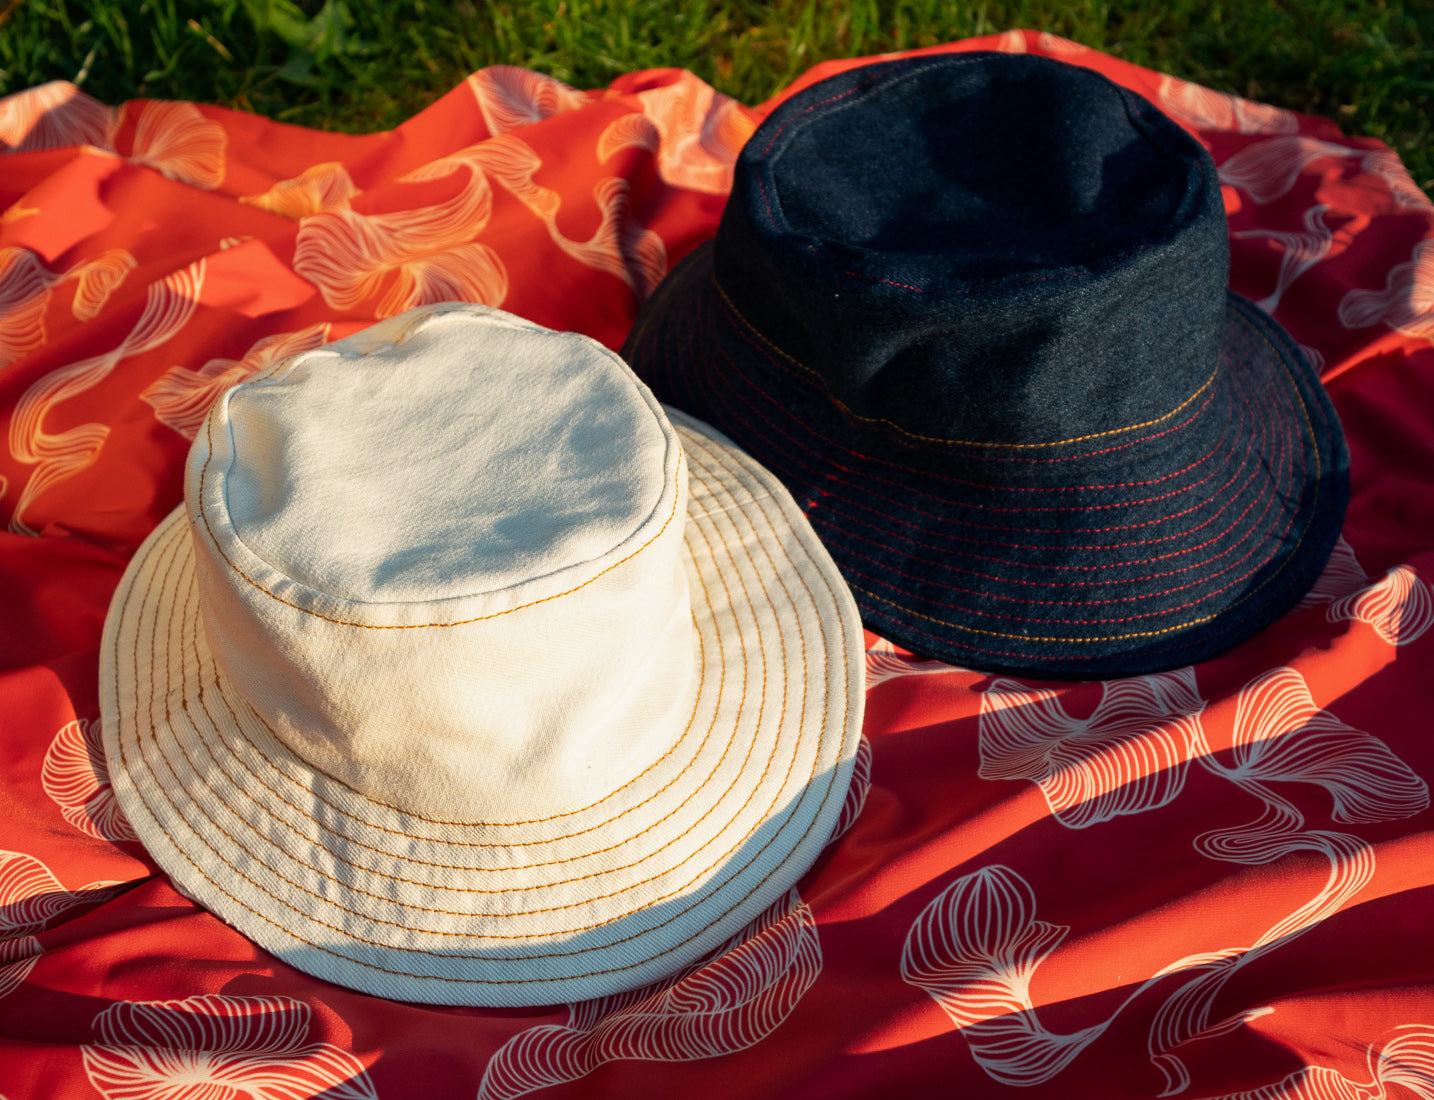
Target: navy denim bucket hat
[{"x": 973, "y": 310}]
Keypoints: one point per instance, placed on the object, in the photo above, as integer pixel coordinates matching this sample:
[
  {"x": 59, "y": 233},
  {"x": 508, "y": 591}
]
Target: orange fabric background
[{"x": 1202, "y": 883}]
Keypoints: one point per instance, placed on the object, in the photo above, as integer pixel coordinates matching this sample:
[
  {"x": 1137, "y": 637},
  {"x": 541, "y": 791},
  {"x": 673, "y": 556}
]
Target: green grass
[{"x": 368, "y": 64}]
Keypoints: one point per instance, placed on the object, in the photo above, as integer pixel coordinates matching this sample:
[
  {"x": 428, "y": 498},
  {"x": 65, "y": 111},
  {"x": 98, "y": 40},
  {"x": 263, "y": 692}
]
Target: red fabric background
[{"x": 1204, "y": 883}]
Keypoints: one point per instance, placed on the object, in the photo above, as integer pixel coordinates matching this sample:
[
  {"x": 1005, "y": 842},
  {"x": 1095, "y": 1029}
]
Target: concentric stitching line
[
  {"x": 444, "y": 842},
  {"x": 1058, "y": 584},
  {"x": 1244, "y": 598},
  {"x": 1268, "y": 497},
  {"x": 1254, "y": 548},
  {"x": 838, "y": 504}
]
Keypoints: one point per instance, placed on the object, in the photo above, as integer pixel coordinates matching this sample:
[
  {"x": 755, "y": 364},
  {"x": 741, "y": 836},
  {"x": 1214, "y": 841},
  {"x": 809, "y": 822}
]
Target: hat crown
[
  {"x": 948, "y": 245},
  {"x": 411, "y": 472},
  {"x": 440, "y": 561}
]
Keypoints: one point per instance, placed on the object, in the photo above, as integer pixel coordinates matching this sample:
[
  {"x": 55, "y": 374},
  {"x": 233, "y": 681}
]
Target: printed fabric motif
[{"x": 216, "y": 1046}]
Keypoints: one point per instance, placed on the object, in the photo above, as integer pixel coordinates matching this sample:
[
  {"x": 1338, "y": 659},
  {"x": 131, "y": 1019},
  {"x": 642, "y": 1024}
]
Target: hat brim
[
  {"x": 1122, "y": 553},
  {"x": 609, "y": 896}
]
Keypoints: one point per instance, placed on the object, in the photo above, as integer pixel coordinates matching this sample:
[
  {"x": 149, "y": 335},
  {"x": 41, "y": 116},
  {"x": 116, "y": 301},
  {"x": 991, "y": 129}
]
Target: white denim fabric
[{"x": 468, "y": 674}]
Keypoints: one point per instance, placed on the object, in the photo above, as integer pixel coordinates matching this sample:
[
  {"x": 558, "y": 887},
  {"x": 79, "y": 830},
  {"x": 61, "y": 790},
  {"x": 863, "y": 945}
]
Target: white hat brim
[{"x": 608, "y": 896}]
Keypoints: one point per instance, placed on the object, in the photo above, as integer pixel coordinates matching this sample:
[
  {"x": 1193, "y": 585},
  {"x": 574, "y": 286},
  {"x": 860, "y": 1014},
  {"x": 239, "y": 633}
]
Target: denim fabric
[{"x": 972, "y": 310}]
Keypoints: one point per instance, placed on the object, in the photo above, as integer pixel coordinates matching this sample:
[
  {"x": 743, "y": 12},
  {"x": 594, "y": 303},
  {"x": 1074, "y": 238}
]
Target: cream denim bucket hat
[{"x": 467, "y": 674}]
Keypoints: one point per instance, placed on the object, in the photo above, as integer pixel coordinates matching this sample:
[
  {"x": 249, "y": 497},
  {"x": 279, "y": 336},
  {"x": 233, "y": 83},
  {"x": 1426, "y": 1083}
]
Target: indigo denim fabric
[{"x": 972, "y": 310}]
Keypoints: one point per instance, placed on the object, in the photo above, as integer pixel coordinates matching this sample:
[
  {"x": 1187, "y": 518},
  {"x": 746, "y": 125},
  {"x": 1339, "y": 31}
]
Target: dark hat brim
[{"x": 1129, "y": 551}]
